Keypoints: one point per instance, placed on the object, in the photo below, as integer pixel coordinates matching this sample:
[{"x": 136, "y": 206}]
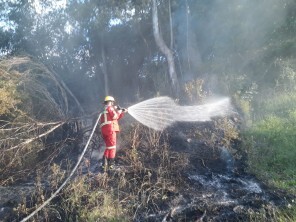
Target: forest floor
[
  {"x": 213, "y": 185},
  {"x": 182, "y": 174},
  {"x": 216, "y": 184}
]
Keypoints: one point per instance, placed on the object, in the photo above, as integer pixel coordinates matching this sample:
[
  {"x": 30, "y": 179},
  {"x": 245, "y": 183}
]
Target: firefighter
[{"x": 109, "y": 128}]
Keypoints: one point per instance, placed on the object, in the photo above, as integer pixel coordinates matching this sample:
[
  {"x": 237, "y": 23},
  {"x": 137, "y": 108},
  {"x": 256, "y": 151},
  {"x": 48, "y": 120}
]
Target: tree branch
[{"x": 36, "y": 137}]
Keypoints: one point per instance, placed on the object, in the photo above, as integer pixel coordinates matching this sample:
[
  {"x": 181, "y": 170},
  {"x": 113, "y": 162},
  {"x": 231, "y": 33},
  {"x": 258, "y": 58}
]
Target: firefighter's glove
[{"x": 118, "y": 107}]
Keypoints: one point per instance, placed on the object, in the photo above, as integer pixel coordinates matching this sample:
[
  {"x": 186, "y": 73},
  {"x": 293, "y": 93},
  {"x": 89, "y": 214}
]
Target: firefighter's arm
[
  {"x": 114, "y": 114},
  {"x": 121, "y": 114},
  {"x": 117, "y": 113}
]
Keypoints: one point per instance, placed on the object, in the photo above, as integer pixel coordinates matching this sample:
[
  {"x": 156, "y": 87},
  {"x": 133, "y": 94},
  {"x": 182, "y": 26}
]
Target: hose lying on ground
[{"x": 68, "y": 178}]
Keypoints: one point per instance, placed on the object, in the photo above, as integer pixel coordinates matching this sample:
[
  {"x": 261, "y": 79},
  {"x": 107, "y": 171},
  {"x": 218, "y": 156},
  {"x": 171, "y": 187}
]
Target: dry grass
[
  {"x": 34, "y": 106},
  {"x": 150, "y": 173},
  {"x": 154, "y": 170},
  {"x": 194, "y": 90}
]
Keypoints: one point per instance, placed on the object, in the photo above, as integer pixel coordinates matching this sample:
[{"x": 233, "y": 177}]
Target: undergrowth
[
  {"x": 270, "y": 144},
  {"x": 151, "y": 174}
]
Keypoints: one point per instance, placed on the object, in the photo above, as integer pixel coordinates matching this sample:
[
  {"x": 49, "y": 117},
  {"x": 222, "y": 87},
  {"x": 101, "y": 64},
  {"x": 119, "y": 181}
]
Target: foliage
[
  {"x": 272, "y": 142},
  {"x": 212, "y": 41},
  {"x": 8, "y": 97},
  {"x": 244, "y": 107}
]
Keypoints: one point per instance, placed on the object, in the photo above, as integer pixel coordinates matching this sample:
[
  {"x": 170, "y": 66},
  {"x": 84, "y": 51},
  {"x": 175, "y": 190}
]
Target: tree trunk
[
  {"x": 187, "y": 35},
  {"x": 171, "y": 26},
  {"x": 165, "y": 50},
  {"x": 104, "y": 69}
]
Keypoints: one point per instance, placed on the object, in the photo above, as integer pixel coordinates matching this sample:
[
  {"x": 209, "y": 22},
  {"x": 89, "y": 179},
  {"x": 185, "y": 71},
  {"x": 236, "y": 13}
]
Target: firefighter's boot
[{"x": 111, "y": 164}]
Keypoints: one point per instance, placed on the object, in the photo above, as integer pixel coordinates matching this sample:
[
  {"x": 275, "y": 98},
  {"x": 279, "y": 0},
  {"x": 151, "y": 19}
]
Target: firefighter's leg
[
  {"x": 109, "y": 154},
  {"x": 106, "y": 152},
  {"x": 112, "y": 151}
]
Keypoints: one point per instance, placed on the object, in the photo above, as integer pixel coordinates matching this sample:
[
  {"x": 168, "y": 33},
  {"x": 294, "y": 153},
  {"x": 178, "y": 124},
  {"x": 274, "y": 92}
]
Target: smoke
[
  {"x": 245, "y": 21},
  {"x": 224, "y": 32}
]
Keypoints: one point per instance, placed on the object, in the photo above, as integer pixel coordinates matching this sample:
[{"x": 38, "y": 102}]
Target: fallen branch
[{"x": 36, "y": 137}]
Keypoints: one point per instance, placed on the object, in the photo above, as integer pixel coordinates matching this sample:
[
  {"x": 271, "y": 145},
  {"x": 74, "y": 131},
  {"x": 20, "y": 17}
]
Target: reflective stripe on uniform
[
  {"x": 110, "y": 147},
  {"x": 106, "y": 122}
]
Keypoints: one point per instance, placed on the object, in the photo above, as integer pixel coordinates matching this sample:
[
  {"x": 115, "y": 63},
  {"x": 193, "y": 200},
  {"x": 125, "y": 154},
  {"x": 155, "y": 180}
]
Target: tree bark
[
  {"x": 165, "y": 50},
  {"x": 104, "y": 68},
  {"x": 171, "y": 26},
  {"x": 187, "y": 35}
]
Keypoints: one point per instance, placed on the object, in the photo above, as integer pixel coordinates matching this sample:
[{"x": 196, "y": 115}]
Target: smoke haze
[{"x": 224, "y": 34}]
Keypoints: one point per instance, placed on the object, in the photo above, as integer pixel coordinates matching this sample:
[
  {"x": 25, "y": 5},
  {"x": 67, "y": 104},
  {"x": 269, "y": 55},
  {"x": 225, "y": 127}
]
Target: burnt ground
[
  {"x": 218, "y": 186},
  {"x": 215, "y": 183}
]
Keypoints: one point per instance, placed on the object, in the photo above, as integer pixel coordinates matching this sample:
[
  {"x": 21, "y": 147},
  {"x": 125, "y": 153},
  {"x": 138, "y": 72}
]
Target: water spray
[{"x": 161, "y": 112}]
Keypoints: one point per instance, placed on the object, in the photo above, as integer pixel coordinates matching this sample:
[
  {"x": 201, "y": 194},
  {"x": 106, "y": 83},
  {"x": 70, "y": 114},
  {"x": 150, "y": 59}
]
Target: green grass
[
  {"x": 280, "y": 105},
  {"x": 272, "y": 153},
  {"x": 271, "y": 146}
]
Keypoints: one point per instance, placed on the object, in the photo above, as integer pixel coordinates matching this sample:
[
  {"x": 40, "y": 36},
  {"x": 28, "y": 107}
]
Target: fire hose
[{"x": 68, "y": 178}]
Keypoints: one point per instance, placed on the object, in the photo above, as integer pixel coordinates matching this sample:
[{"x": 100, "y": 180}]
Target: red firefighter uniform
[{"x": 109, "y": 128}]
